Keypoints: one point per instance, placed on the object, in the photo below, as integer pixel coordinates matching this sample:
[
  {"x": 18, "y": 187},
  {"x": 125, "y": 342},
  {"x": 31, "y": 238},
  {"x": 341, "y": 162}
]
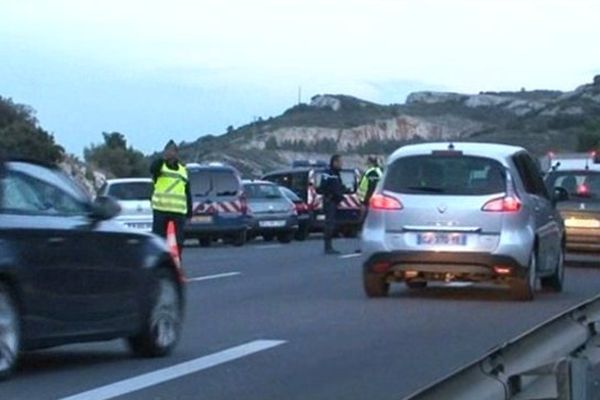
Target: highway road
[{"x": 272, "y": 321}]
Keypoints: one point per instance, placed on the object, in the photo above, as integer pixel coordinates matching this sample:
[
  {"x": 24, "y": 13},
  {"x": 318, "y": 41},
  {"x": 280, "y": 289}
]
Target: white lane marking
[
  {"x": 176, "y": 371},
  {"x": 458, "y": 284},
  {"x": 215, "y": 276},
  {"x": 351, "y": 255},
  {"x": 268, "y": 246}
]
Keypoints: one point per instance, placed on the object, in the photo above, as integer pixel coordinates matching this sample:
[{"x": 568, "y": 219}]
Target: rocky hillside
[{"x": 539, "y": 120}]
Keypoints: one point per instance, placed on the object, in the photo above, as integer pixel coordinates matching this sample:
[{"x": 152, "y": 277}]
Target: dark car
[
  {"x": 68, "y": 273},
  {"x": 304, "y": 179},
  {"x": 219, "y": 205},
  {"x": 303, "y": 212},
  {"x": 271, "y": 214},
  {"x": 580, "y": 208}
]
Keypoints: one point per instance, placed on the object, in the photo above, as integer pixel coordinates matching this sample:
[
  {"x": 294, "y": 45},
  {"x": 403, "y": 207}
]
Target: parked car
[
  {"x": 133, "y": 196},
  {"x": 463, "y": 212},
  {"x": 70, "y": 273},
  {"x": 580, "y": 206},
  {"x": 303, "y": 212},
  {"x": 304, "y": 179},
  {"x": 220, "y": 208},
  {"x": 271, "y": 214}
]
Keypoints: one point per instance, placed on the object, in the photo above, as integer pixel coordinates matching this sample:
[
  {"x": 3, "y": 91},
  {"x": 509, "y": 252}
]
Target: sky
[{"x": 156, "y": 70}]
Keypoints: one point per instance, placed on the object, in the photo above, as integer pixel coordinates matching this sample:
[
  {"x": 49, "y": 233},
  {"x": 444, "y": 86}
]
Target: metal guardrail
[{"x": 559, "y": 359}]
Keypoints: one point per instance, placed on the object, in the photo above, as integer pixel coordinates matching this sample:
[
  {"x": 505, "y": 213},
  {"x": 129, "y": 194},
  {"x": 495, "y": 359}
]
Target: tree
[
  {"x": 230, "y": 129},
  {"x": 115, "y": 158},
  {"x": 21, "y": 136},
  {"x": 271, "y": 144}
]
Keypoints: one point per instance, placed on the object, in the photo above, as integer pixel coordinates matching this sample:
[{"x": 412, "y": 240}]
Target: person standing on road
[
  {"x": 171, "y": 198},
  {"x": 369, "y": 181},
  {"x": 332, "y": 189}
]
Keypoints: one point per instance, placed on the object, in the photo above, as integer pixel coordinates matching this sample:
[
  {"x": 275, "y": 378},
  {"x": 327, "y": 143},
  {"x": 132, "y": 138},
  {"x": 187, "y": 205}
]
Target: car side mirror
[
  {"x": 104, "y": 207},
  {"x": 560, "y": 194}
]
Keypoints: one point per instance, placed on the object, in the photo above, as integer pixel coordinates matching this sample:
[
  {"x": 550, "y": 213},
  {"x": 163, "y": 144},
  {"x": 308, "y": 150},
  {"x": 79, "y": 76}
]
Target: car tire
[
  {"x": 268, "y": 237},
  {"x": 375, "y": 285},
  {"x": 285, "y": 237},
  {"x": 162, "y": 325},
  {"x": 10, "y": 332},
  {"x": 205, "y": 241},
  {"x": 240, "y": 239},
  {"x": 524, "y": 289},
  {"x": 416, "y": 284},
  {"x": 555, "y": 281}
]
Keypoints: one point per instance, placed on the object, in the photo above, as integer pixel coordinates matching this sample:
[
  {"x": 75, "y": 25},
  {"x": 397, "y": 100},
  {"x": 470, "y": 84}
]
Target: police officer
[
  {"x": 332, "y": 190},
  {"x": 369, "y": 181},
  {"x": 171, "y": 198}
]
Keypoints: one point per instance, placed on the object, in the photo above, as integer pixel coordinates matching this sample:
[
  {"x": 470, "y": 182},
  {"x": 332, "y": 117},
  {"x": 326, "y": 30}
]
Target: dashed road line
[
  {"x": 143, "y": 381},
  {"x": 215, "y": 276},
  {"x": 351, "y": 255},
  {"x": 268, "y": 246}
]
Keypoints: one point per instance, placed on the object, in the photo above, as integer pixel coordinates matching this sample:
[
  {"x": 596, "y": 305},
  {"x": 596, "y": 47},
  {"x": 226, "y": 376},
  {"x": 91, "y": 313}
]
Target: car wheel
[
  {"x": 268, "y": 237},
  {"x": 162, "y": 327},
  {"x": 416, "y": 284},
  {"x": 524, "y": 289},
  {"x": 205, "y": 241},
  {"x": 301, "y": 234},
  {"x": 375, "y": 285},
  {"x": 240, "y": 239},
  {"x": 285, "y": 237},
  {"x": 10, "y": 333},
  {"x": 555, "y": 281}
]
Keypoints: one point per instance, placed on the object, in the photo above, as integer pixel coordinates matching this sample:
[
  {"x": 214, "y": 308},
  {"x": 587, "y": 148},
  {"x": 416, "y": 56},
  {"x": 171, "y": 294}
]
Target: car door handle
[{"x": 56, "y": 240}]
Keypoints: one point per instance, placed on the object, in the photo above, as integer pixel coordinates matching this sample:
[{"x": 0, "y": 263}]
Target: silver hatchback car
[{"x": 468, "y": 212}]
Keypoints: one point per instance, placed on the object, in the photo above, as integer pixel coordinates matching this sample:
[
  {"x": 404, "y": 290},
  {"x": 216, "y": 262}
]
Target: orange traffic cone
[{"x": 172, "y": 243}]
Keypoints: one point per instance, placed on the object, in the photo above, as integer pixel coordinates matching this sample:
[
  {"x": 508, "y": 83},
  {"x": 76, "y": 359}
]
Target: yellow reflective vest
[
  {"x": 363, "y": 186},
  {"x": 169, "y": 190}
]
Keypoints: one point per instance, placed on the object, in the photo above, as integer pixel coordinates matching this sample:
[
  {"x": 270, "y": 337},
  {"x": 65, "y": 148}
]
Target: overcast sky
[{"x": 156, "y": 70}]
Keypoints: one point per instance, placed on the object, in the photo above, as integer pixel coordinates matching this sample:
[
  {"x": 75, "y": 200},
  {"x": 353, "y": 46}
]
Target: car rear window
[
  {"x": 262, "y": 191},
  {"x": 130, "y": 190},
  {"x": 207, "y": 183},
  {"x": 290, "y": 194},
  {"x": 445, "y": 175},
  {"x": 581, "y": 184}
]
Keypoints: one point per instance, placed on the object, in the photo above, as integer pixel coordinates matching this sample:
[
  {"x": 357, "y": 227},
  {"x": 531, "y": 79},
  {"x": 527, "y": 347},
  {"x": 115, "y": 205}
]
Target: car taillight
[
  {"x": 301, "y": 207},
  {"x": 582, "y": 189},
  {"x": 503, "y": 204},
  {"x": 243, "y": 205},
  {"x": 383, "y": 202}
]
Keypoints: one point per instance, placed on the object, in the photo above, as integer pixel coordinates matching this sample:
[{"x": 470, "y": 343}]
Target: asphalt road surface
[{"x": 271, "y": 321}]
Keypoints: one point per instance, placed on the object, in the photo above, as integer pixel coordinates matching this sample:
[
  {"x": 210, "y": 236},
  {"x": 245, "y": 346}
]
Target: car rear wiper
[
  {"x": 227, "y": 193},
  {"x": 429, "y": 189},
  {"x": 273, "y": 196}
]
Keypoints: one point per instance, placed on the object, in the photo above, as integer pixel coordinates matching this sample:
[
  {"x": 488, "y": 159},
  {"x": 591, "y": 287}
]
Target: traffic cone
[{"x": 172, "y": 243}]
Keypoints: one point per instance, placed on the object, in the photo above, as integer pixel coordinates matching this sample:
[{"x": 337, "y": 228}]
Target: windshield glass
[
  {"x": 213, "y": 183},
  {"x": 130, "y": 190},
  {"x": 580, "y": 184},
  {"x": 290, "y": 194},
  {"x": 262, "y": 191},
  {"x": 447, "y": 175}
]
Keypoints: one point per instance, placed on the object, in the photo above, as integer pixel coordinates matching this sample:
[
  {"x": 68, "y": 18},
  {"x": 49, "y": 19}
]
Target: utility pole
[{"x": 299, "y": 95}]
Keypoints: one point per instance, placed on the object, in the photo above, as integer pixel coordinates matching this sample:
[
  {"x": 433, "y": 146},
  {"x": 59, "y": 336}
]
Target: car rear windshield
[
  {"x": 445, "y": 175},
  {"x": 262, "y": 191},
  {"x": 131, "y": 190},
  {"x": 290, "y": 194},
  {"x": 580, "y": 184},
  {"x": 207, "y": 183}
]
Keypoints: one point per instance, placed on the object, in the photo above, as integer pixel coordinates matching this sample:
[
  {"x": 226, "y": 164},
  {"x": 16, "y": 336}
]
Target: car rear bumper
[
  {"x": 290, "y": 224},
  {"x": 444, "y": 266}
]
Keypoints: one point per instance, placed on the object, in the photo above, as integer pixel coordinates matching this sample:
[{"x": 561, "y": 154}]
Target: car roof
[
  {"x": 128, "y": 180},
  {"x": 256, "y": 181},
  {"x": 191, "y": 167},
  {"x": 303, "y": 170},
  {"x": 490, "y": 150}
]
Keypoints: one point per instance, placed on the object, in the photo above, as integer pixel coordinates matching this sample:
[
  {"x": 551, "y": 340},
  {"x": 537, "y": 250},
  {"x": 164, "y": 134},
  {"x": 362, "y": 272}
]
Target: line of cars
[{"x": 282, "y": 205}]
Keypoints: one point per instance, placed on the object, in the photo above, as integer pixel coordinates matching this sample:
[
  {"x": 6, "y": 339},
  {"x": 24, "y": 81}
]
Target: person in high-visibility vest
[
  {"x": 369, "y": 180},
  {"x": 171, "y": 198}
]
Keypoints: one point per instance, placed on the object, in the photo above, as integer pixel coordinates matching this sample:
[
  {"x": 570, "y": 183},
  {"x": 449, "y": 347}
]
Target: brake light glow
[
  {"x": 383, "y": 202},
  {"x": 582, "y": 189},
  {"x": 502, "y": 270},
  {"x": 503, "y": 204}
]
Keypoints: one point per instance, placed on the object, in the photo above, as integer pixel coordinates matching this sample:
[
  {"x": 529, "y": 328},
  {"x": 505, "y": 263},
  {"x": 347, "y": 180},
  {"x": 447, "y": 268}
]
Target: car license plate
[
  {"x": 582, "y": 223},
  {"x": 321, "y": 217},
  {"x": 450, "y": 239},
  {"x": 202, "y": 219},
  {"x": 271, "y": 224}
]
